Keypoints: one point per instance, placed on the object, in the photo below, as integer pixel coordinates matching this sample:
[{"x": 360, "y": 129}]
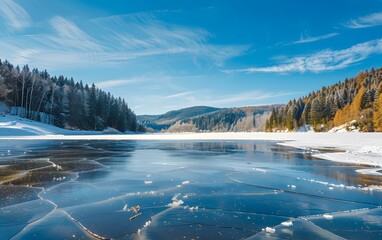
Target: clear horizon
[{"x": 176, "y": 54}]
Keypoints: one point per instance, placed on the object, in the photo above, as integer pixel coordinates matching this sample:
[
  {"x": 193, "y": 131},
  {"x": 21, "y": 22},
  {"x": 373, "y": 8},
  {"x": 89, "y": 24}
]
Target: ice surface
[
  {"x": 56, "y": 225},
  {"x": 207, "y": 224},
  {"x": 300, "y": 230},
  {"x": 15, "y": 217},
  {"x": 227, "y": 190},
  {"x": 362, "y": 224}
]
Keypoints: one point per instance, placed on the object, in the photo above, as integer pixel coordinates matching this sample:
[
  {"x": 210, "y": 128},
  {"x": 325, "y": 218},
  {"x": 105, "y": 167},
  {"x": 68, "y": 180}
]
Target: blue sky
[{"x": 165, "y": 55}]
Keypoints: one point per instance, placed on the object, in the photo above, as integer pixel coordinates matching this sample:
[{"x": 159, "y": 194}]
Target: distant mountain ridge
[
  {"x": 209, "y": 119},
  {"x": 164, "y": 121}
]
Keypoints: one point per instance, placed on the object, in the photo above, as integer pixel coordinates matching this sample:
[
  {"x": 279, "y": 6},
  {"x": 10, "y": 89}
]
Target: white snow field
[
  {"x": 355, "y": 147},
  {"x": 17, "y": 126}
]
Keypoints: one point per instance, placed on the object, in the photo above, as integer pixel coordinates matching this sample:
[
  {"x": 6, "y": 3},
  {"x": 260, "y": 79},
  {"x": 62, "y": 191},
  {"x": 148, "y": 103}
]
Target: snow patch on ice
[
  {"x": 259, "y": 170},
  {"x": 287, "y": 224},
  {"x": 343, "y": 186},
  {"x": 58, "y": 167},
  {"x": 292, "y": 186},
  {"x": 59, "y": 178},
  {"x": 147, "y": 224},
  {"x": 328, "y": 216},
  {"x": 175, "y": 202},
  {"x": 191, "y": 209},
  {"x": 269, "y": 230}
]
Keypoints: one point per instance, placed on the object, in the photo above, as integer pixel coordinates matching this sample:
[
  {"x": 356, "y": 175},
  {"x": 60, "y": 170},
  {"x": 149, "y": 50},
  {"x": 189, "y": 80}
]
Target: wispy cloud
[
  {"x": 16, "y": 17},
  {"x": 325, "y": 60},
  {"x": 308, "y": 39},
  {"x": 145, "y": 35},
  {"x": 371, "y": 20},
  {"x": 69, "y": 35},
  {"x": 238, "y": 98},
  {"x": 179, "y": 95},
  {"x": 119, "y": 82},
  {"x": 115, "y": 40},
  {"x": 203, "y": 97}
]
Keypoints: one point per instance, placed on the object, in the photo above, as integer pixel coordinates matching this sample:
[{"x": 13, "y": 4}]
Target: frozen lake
[{"x": 181, "y": 190}]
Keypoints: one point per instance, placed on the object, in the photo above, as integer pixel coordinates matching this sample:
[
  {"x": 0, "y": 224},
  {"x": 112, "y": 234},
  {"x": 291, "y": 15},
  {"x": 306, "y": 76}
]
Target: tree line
[
  {"x": 62, "y": 102},
  {"x": 358, "y": 99}
]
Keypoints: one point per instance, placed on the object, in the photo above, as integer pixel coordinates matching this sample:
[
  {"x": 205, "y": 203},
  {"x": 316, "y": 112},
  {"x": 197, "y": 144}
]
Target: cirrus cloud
[
  {"x": 116, "y": 40},
  {"x": 326, "y": 60},
  {"x": 371, "y": 20},
  {"x": 15, "y": 16}
]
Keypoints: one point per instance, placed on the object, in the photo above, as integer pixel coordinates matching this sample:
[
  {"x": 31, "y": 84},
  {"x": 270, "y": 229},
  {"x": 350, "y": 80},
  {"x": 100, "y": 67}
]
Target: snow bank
[
  {"x": 347, "y": 127},
  {"x": 17, "y": 126},
  {"x": 370, "y": 171}
]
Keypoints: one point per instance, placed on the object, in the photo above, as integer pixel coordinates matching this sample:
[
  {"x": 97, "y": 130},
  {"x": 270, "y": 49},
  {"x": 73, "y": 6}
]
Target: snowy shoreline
[{"x": 353, "y": 147}]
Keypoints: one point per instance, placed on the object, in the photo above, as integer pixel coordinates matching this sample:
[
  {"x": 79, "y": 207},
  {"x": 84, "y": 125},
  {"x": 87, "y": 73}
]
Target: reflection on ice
[{"x": 192, "y": 190}]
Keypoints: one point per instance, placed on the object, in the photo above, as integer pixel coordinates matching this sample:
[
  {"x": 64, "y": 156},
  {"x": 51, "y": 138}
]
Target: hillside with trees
[
  {"x": 61, "y": 101},
  {"x": 357, "y": 100},
  {"x": 208, "y": 119},
  {"x": 164, "y": 121}
]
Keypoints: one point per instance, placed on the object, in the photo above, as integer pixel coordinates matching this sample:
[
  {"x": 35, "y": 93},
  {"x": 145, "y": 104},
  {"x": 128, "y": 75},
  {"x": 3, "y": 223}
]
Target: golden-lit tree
[
  {"x": 350, "y": 111},
  {"x": 378, "y": 114}
]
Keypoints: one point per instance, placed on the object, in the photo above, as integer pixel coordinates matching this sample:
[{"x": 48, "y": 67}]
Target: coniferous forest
[
  {"x": 357, "y": 100},
  {"x": 61, "y": 101}
]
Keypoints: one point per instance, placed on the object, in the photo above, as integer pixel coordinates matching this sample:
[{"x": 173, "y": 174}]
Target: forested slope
[
  {"x": 208, "y": 119},
  {"x": 358, "y": 99},
  {"x": 164, "y": 121},
  {"x": 61, "y": 101}
]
